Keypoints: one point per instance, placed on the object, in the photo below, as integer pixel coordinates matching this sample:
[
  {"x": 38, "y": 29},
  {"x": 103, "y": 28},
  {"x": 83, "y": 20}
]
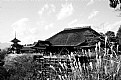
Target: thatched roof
[{"x": 72, "y": 36}]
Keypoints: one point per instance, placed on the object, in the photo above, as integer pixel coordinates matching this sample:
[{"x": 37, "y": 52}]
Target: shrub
[{"x": 3, "y": 53}]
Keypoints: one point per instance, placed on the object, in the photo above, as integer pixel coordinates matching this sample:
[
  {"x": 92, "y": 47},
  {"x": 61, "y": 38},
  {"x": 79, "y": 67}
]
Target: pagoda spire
[
  {"x": 15, "y": 40},
  {"x": 15, "y": 34}
]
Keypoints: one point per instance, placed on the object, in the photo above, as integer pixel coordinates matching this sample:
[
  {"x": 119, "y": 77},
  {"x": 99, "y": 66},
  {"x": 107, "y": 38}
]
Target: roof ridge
[{"x": 77, "y": 27}]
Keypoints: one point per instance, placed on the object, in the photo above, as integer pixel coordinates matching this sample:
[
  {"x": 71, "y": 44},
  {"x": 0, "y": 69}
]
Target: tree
[
  {"x": 115, "y": 4},
  {"x": 118, "y": 35},
  {"x": 110, "y": 34},
  {"x": 3, "y": 53},
  {"x": 112, "y": 40}
]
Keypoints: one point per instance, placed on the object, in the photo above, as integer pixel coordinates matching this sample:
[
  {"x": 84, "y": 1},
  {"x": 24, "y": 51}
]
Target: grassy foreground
[
  {"x": 106, "y": 65},
  {"x": 23, "y": 67}
]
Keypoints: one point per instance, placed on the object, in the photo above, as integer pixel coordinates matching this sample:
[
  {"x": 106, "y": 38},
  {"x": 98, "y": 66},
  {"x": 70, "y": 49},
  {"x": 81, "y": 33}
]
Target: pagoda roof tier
[{"x": 15, "y": 40}]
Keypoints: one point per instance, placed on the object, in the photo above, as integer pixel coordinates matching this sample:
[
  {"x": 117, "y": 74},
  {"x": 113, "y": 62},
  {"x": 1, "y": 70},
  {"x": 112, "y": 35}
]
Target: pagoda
[{"x": 16, "y": 47}]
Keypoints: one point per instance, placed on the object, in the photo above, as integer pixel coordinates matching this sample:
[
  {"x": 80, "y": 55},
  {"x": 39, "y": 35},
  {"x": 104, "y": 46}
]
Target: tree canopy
[
  {"x": 115, "y": 4},
  {"x": 110, "y": 33},
  {"x": 118, "y": 35}
]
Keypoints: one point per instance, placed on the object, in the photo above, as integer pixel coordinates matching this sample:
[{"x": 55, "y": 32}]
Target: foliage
[
  {"x": 118, "y": 35},
  {"x": 25, "y": 68},
  {"x": 21, "y": 68},
  {"x": 119, "y": 32},
  {"x": 110, "y": 34},
  {"x": 3, "y": 53},
  {"x": 104, "y": 66},
  {"x": 114, "y": 3}
]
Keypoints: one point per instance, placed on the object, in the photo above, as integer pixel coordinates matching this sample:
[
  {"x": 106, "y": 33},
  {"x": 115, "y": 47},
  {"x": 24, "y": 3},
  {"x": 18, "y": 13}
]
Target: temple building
[
  {"x": 16, "y": 47},
  {"x": 70, "y": 40},
  {"x": 66, "y": 41},
  {"x": 74, "y": 39},
  {"x": 42, "y": 47},
  {"x": 28, "y": 49}
]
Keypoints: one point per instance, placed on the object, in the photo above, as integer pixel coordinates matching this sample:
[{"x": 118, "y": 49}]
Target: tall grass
[{"x": 106, "y": 66}]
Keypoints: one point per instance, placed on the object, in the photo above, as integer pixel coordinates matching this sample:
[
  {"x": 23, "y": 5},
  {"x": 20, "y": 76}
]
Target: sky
[{"x": 34, "y": 20}]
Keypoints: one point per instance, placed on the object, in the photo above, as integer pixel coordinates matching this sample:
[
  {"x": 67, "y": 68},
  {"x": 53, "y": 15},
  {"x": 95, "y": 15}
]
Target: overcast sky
[{"x": 35, "y": 20}]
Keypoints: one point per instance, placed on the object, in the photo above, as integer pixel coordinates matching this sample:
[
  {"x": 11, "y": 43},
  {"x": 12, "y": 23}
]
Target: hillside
[{"x": 4, "y": 45}]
